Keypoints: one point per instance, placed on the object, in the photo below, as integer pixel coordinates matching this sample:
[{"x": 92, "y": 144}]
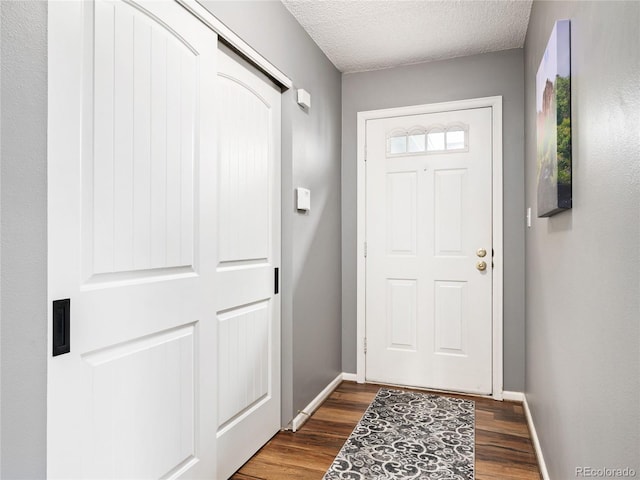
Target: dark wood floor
[{"x": 503, "y": 444}]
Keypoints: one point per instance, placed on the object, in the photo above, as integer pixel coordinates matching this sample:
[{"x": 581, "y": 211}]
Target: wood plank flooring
[{"x": 503, "y": 444}]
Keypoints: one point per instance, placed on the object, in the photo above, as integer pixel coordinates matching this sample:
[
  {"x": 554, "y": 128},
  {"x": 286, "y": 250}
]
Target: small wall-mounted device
[
  {"x": 303, "y": 199},
  {"x": 304, "y": 98}
]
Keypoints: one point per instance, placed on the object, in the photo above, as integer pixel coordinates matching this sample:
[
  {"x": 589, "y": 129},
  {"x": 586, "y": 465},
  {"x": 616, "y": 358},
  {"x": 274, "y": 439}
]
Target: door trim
[
  {"x": 497, "y": 228},
  {"x": 237, "y": 44}
]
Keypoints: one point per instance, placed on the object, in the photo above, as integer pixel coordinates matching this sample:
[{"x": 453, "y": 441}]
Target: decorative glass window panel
[
  {"x": 455, "y": 140},
  {"x": 416, "y": 142},
  {"x": 397, "y": 144},
  {"x": 435, "y": 141}
]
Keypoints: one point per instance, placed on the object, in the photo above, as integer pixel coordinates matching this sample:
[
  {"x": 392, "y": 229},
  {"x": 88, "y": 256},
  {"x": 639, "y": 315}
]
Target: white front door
[
  {"x": 132, "y": 235},
  {"x": 428, "y": 222},
  {"x": 247, "y": 303}
]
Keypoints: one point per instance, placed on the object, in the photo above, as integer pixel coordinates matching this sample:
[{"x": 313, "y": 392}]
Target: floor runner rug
[{"x": 409, "y": 435}]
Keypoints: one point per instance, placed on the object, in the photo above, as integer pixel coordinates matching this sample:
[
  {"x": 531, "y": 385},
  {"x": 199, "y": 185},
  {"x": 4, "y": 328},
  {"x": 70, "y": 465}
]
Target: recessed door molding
[{"x": 495, "y": 103}]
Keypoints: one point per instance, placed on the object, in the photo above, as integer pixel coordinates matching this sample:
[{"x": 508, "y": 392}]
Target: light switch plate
[{"x": 303, "y": 199}]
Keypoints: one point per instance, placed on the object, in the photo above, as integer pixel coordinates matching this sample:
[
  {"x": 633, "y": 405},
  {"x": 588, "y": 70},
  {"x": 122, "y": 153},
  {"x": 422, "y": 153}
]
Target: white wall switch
[
  {"x": 529, "y": 217},
  {"x": 303, "y": 199},
  {"x": 304, "y": 98}
]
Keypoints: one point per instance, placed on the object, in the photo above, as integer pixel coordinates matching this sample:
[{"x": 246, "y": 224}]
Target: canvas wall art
[{"x": 553, "y": 107}]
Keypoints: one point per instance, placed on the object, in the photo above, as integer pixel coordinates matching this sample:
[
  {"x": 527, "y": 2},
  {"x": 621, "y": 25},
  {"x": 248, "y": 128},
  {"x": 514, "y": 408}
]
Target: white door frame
[{"x": 497, "y": 228}]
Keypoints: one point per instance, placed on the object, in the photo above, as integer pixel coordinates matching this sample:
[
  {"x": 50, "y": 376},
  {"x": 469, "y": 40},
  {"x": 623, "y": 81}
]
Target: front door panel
[{"x": 428, "y": 304}]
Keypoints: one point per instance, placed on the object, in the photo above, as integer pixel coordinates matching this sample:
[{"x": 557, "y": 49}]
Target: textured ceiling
[{"x": 360, "y": 35}]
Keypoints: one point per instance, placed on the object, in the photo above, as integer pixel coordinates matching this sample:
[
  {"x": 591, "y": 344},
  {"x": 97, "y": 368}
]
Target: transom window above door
[{"x": 452, "y": 138}]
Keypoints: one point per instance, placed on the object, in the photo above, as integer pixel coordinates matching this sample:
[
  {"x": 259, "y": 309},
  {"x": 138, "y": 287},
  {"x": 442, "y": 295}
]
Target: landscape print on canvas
[{"x": 553, "y": 107}]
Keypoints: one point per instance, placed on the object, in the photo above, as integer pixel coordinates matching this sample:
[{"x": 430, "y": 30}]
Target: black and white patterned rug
[{"x": 409, "y": 435}]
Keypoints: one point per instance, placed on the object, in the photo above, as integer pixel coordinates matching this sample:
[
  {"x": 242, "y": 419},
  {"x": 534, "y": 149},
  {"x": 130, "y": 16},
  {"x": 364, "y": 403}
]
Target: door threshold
[{"x": 488, "y": 396}]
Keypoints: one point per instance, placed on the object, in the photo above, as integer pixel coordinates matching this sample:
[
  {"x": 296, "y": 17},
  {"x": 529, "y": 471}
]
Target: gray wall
[
  {"x": 583, "y": 265},
  {"x": 311, "y": 295},
  {"x": 485, "y": 75},
  {"x": 23, "y": 283}
]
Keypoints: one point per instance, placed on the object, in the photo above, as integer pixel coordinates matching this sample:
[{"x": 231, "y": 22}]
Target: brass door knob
[
  {"x": 481, "y": 252},
  {"x": 482, "y": 266}
]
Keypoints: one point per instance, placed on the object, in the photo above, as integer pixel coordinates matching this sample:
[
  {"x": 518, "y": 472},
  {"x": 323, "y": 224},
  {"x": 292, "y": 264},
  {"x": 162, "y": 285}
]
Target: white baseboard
[
  {"x": 513, "y": 396},
  {"x": 349, "y": 377},
  {"x": 307, "y": 411},
  {"x": 534, "y": 440},
  {"x": 522, "y": 398}
]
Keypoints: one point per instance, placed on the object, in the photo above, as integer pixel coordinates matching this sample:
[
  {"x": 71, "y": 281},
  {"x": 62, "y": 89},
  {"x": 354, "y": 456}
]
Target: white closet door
[
  {"x": 132, "y": 235},
  {"x": 248, "y": 307}
]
